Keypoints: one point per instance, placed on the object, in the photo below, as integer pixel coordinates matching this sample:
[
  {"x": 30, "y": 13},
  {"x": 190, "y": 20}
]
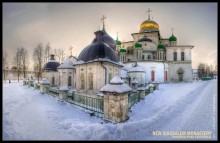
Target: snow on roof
[
  {"x": 134, "y": 81},
  {"x": 141, "y": 88},
  {"x": 136, "y": 69},
  {"x": 151, "y": 85},
  {"x": 67, "y": 64},
  {"x": 124, "y": 74},
  {"x": 45, "y": 81},
  {"x": 63, "y": 88},
  {"x": 100, "y": 94},
  {"x": 155, "y": 82},
  {"x": 116, "y": 88},
  {"x": 116, "y": 80}
]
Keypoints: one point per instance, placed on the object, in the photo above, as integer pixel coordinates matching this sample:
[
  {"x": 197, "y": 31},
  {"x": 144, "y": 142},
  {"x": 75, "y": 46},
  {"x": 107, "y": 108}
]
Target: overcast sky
[{"x": 65, "y": 24}]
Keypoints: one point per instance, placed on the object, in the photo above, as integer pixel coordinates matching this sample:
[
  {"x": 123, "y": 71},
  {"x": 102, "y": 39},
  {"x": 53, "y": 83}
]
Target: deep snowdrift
[{"x": 29, "y": 115}]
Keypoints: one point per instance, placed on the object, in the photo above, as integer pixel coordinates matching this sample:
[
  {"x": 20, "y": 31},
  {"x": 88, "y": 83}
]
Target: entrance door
[{"x": 180, "y": 76}]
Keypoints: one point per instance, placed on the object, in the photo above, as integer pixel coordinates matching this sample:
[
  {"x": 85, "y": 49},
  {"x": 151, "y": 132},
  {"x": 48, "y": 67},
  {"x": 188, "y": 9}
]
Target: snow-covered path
[{"x": 28, "y": 115}]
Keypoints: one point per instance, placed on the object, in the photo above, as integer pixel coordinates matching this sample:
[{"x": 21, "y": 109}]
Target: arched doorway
[{"x": 180, "y": 74}]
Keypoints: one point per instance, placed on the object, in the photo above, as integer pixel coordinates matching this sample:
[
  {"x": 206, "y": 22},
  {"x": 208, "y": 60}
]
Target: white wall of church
[
  {"x": 98, "y": 74},
  {"x": 64, "y": 74},
  {"x": 148, "y": 66},
  {"x": 173, "y": 76}
]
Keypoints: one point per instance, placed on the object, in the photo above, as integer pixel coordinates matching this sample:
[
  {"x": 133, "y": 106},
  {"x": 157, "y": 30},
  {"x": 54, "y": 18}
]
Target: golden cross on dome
[
  {"x": 117, "y": 35},
  {"x": 149, "y": 10},
  {"x": 172, "y": 30},
  {"x": 103, "y": 20}
]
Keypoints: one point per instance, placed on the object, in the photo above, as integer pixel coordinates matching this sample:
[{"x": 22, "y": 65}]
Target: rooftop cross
[
  {"x": 149, "y": 10},
  {"x": 172, "y": 31},
  {"x": 117, "y": 35},
  {"x": 70, "y": 49},
  {"x": 103, "y": 20}
]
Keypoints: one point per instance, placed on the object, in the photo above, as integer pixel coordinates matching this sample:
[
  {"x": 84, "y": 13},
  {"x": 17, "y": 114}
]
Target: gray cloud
[{"x": 65, "y": 24}]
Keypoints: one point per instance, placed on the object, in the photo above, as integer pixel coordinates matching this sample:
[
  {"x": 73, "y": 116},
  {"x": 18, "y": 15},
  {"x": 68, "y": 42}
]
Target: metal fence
[
  {"x": 133, "y": 98},
  {"x": 95, "y": 105},
  {"x": 52, "y": 92}
]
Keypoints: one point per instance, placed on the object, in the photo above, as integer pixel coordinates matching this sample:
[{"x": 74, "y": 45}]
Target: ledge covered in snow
[{"x": 116, "y": 88}]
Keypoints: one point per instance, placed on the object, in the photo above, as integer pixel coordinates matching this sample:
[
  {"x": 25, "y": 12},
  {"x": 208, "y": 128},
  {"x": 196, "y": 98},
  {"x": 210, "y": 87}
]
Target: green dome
[
  {"x": 117, "y": 42},
  {"x": 172, "y": 38},
  {"x": 138, "y": 45},
  {"x": 122, "y": 50},
  {"x": 160, "y": 46}
]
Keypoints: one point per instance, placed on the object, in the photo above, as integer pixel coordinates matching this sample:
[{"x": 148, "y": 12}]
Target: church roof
[
  {"x": 138, "y": 45},
  {"x": 124, "y": 74},
  {"x": 45, "y": 81},
  {"x": 122, "y": 50},
  {"x": 51, "y": 65},
  {"x": 160, "y": 46},
  {"x": 67, "y": 64},
  {"x": 134, "y": 81},
  {"x": 103, "y": 47},
  {"x": 172, "y": 38},
  {"x": 144, "y": 39},
  {"x": 98, "y": 50},
  {"x": 136, "y": 68},
  {"x": 116, "y": 80},
  {"x": 103, "y": 36},
  {"x": 117, "y": 86},
  {"x": 117, "y": 42}
]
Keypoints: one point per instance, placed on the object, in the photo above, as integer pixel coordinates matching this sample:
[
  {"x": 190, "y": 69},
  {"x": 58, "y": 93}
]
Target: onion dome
[
  {"x": 51, "y": 65},
  {"x": 138, "y": 45},
  {"x": 160, "y": 46},
  {"x": 145, "y": 39},
  {"x": 117, "y": 42},
  {"x": 98, "y": 49},
  {"x": 172, "y": 38},
  {"x": 149, "y": 25},
  {"x": 103, "y": 35},
  {"x": 122, "y": 50}
]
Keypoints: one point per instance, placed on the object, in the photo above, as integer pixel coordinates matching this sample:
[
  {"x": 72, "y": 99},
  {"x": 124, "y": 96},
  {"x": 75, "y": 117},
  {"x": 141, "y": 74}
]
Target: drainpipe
[{"x": 105, "y": 73}]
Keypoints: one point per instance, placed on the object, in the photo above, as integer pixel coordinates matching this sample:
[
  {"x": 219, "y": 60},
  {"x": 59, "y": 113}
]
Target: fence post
[
  {"x": 63, "y": 92},
  {"x": 44, "y": 84},
  {"x": 142, "y": 92},
  {"x": 116, "y": 100}
]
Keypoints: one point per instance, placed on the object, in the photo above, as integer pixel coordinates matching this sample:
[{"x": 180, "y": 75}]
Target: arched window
[
  {"x": 152, "y": 75},
  {"x": 69, "y": 81},
  {"x": 90, "y": 81},
  {"x": 109, "y": 77},
  {"x": 53, "y": 79},
  {"x": 82, "y": 78},
  {"x": 128, "y": 51},
  {"x": 142, "y": 57},
  {"x": 160, "y": 56},
  {"x": 182, "y": 56},
  {"x": 148, "y": 57},
  {"x": 175, "y": 56}
]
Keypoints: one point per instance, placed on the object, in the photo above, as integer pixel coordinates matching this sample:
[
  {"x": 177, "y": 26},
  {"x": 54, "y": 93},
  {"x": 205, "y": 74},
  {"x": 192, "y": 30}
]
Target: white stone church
[{"x": 145, "y": 59}]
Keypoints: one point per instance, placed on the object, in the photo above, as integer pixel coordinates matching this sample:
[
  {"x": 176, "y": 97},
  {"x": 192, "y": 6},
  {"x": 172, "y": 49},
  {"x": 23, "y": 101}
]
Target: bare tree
[
  {"x": 60, "y": 54},
  {"x": 47, "y": 53},
  {"x": 5, "y": 65},
  {"x": 18, "y": 63},
  {"x": 24, "y": 60},
  {"x": 38, "y": 60}
]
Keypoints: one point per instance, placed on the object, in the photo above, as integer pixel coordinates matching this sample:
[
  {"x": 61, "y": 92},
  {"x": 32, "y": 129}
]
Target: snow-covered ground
[{"x": 29, "y": 115}]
